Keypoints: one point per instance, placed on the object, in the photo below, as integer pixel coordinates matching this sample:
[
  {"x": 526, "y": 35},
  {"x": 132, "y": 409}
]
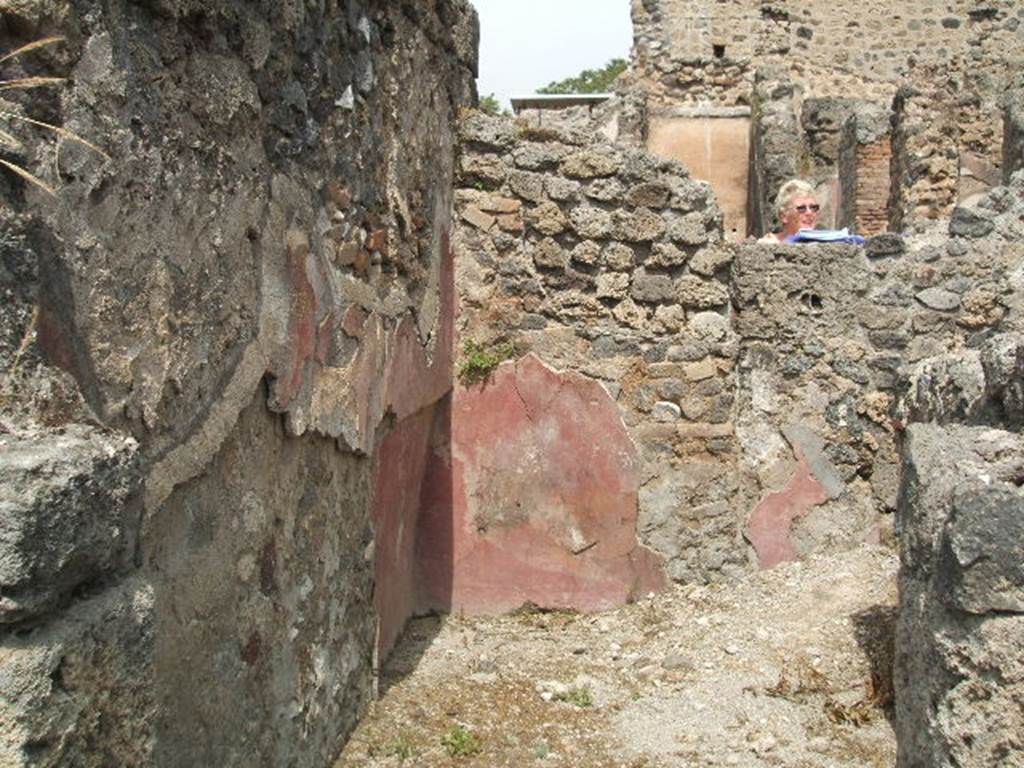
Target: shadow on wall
[{"x": 413, "y": 532}]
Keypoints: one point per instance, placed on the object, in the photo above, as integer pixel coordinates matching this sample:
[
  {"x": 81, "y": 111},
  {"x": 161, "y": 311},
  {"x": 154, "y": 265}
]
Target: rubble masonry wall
[{"x": 203, "y": 338}]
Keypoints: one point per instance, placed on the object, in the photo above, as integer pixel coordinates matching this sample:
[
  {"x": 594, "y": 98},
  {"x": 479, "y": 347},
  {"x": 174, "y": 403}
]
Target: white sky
[{"x": 526, "y": 44}]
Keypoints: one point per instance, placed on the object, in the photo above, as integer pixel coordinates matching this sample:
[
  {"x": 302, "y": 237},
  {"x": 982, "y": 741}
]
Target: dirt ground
[{"x": 791, "y": 667}]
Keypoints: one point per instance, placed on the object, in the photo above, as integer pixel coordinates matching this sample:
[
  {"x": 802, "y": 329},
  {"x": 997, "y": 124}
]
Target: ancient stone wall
[
  {"x": 205, "y": 334},
  {"x": 789, "y": 419},
  {"x": 607, "y": 262},
  {"x": 1013, "y": 133},
  {"x": 958, "y": 674},
  {"x": 828, "y": 338},
  {"x": 953, "y": 61},
  {"x": 707, "y": 51},
  {"x": 777, "y": 145}
]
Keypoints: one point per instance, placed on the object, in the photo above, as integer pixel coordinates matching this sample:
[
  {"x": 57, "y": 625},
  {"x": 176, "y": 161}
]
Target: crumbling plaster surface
[
  {"x": 206, "y": 334},
  {"x": 544, "y": 495}
]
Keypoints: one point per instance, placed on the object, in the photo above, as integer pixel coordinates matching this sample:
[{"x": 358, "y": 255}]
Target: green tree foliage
[
  {"x": 589, "y": 80},
  {"x": 489, "y": 104}
]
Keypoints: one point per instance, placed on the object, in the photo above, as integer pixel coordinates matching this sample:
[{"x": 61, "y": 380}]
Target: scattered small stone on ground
[{"x": 788, "y": 667}]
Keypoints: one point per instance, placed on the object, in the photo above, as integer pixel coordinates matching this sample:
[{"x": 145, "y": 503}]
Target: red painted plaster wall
[{"x": 543, "y": 490}]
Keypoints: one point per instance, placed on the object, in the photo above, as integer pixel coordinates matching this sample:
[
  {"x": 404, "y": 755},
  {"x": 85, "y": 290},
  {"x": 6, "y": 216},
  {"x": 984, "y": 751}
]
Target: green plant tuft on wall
[{"x": 479, "y": 360}]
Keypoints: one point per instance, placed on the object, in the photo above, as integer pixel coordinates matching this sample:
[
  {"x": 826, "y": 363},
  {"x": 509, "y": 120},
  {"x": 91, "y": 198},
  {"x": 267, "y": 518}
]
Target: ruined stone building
[
  {"x": 759, "y": 92},
  {"x": 252, "y": 415}
]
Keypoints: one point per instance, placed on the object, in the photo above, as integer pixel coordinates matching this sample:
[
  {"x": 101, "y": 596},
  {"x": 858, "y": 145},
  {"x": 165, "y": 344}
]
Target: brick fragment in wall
[
  {"x": 497, "y": 204},
  {"x": 511, "y": 222},
  {"x": 478, "y": 218}
]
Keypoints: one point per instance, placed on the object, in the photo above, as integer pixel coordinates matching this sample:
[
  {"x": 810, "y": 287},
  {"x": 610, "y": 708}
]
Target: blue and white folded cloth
[{"x": 825, "y": 236}]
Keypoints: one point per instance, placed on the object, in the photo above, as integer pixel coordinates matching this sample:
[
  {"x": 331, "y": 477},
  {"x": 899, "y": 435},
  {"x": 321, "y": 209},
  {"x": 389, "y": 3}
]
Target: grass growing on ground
[
  {"x": 402, "y": 747},
  {"x": 459, "y": 741},
  {"x": 577, "y": 695}
]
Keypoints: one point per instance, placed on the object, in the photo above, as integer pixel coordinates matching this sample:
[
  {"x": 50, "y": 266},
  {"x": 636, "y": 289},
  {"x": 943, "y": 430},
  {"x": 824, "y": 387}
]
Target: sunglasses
[{"x": 805, "y": 208}]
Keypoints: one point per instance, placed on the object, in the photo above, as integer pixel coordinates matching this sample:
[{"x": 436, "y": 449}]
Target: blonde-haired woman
[{"x": 797, "y": 208}]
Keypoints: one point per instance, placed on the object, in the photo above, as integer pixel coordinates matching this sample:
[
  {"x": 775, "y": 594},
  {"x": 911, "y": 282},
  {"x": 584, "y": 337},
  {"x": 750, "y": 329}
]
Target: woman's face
[{"x": 802, "y": 213}]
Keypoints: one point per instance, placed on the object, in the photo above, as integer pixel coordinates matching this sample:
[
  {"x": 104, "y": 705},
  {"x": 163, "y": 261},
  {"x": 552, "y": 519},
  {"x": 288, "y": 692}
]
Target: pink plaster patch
[
  {"x": 401, "y": 464},
  {"x": 769, "y": 525},
  {"x": 355, "y": 319},
  {"x": 302, "y": 322},
  {"x": 392, "y": 370},
  {"x": 544, "y": 496}
]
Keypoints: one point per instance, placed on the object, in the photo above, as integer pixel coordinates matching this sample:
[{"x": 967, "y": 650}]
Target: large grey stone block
[
  {"x": 66, "y": 514},
  {"x": 959, "y": 668},
  {"x": 80, "y": 690}
]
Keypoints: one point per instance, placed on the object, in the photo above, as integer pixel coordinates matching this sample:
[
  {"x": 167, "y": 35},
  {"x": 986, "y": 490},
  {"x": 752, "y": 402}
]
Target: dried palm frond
[
  {"x": 35, "y": 44},
  {"x": 29, "y": 82},
  {"x": 9, "y": 140},
  {"x": 27, "y": 176},
  {"x": 64, "y": 133}
]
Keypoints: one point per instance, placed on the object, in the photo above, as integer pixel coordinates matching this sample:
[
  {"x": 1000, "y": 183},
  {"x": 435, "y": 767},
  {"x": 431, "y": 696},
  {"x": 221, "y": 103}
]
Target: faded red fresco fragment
[
  {"x": 544, "y": 495},
  {"x": 302, "y": 322},
  {"x": 769, "y": 526},
  {"x": 401, "y": 464}
]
